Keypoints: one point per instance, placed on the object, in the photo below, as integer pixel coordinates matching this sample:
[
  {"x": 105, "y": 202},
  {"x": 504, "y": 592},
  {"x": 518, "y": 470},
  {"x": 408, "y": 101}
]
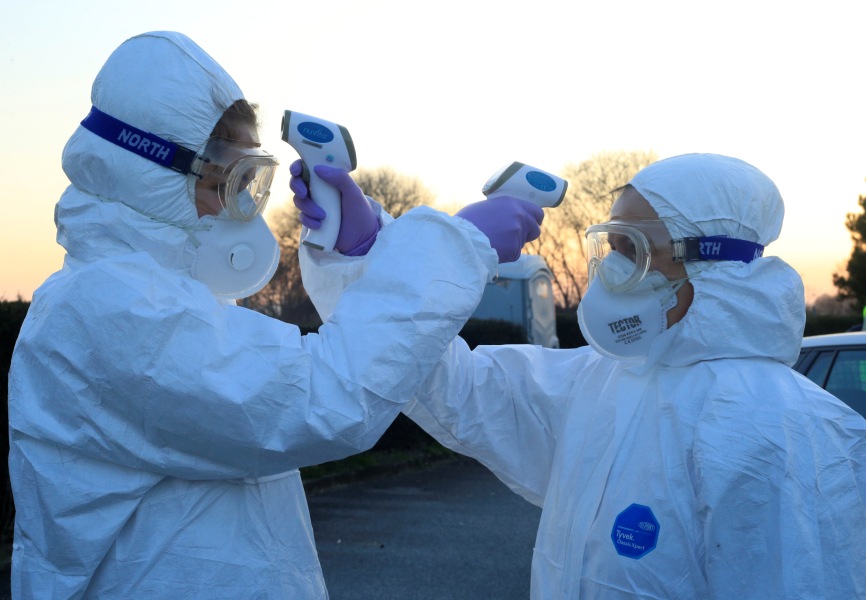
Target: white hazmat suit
[
  {"x": 156, "y": 432},
  {"x": 709, "y": 470}
]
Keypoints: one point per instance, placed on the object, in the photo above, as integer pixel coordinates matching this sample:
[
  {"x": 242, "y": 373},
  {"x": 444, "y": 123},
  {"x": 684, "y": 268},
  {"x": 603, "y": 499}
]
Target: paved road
[{"x": 449, "y": 531}]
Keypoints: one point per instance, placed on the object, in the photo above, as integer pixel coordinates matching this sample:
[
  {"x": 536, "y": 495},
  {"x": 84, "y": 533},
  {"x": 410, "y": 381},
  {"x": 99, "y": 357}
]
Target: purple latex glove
[
  {"x": 507, "y": 222},
  {"x": 359, "y": 223}
]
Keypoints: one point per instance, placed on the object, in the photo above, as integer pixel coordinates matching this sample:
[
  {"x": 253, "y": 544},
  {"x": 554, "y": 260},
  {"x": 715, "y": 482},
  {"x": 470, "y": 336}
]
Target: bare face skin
[
  {"x": 209, "y": 187},
  {"x": 631, "y": 206}
]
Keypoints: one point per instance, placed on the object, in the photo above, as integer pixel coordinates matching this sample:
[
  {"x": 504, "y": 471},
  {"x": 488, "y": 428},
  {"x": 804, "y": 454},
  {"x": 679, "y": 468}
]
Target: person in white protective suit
[
  {"x": 678, "y": 456},
  {"x": 156, "y": 427}
]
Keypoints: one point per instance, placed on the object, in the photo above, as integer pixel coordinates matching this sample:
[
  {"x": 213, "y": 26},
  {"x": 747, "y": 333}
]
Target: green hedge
[{"x": 821, "y": 324}]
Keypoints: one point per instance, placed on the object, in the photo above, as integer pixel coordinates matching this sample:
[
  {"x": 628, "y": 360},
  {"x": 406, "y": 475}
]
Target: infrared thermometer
[
  {"x": 320, "y": 142},
  {"x": 526, "y": 183}
]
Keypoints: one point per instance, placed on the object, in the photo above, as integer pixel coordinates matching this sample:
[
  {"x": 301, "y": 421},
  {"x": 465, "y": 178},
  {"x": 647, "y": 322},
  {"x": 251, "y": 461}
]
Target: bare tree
[
  {"x": 284, "y": 297},
  {"x": 591, "y": 192},
  {"x": 396, "y": 193}
]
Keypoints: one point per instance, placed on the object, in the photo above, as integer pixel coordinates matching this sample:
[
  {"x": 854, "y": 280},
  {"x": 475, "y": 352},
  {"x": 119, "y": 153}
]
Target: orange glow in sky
[{"x": 450, "y": 91}]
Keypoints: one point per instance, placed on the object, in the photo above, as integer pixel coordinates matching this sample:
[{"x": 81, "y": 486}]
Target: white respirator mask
[
  {"x": 234, "y": 259},
  {"x": 623, "y": 325}
]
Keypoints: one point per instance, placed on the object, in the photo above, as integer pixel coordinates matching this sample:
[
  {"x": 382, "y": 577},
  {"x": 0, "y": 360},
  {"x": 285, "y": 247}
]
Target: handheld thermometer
[
  {"x": 527, "y": 183},
  {"x": 320, "y": 142}
]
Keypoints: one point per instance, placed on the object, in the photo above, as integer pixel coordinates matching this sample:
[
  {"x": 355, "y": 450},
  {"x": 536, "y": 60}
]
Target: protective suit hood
[
  {"x": 163, "y": 83},
  {"x": 739, "y": 309}
]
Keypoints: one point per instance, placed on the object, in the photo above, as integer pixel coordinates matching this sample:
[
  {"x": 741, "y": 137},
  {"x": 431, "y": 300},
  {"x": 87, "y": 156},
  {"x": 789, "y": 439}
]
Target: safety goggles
[
  {"x": 241, "y": 175},
  {"x": 644, "y": 242}
]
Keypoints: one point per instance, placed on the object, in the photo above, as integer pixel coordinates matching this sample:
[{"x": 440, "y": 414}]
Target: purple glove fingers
[
  {"x": 509, "y": 223},
  {"x": 359, "y": 225},
  {"x": 311, "y": 214}
]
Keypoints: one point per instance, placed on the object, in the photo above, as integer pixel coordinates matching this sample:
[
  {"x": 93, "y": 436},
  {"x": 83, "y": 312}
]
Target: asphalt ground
[{"x": 447, "y": 531}]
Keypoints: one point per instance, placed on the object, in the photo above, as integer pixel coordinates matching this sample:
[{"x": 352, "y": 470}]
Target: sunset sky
[{"x": 450, "y": 91}]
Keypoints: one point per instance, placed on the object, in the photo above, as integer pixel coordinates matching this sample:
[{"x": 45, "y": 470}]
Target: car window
[
  {"x": 817, "y": 371},
  {"x": 849, "y": 371},
  {"x": 847, "y": 380}
]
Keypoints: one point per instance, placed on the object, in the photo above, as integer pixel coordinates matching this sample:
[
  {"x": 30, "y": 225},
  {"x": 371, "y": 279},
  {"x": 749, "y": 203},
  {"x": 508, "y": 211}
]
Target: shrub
[
  {"x": 12, "y": 315},
  {"x": 820, "y": 324}
]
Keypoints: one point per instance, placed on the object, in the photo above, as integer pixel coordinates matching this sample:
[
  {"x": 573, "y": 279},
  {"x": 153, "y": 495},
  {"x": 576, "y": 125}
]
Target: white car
[{"x": 837, "y": 362}]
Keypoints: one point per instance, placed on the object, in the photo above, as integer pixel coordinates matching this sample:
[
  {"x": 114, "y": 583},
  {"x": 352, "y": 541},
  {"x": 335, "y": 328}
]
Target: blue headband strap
[
  {"x": 717, "y": 247},
  {"x": 147, "y": 145}
]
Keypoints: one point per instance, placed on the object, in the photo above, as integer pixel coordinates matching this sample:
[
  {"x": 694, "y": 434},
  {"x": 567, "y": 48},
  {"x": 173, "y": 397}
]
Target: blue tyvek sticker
[{"x": 635, "y": 531}]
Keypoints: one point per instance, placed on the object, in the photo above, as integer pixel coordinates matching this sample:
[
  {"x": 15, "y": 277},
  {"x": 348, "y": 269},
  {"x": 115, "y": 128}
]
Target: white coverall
[
  {"x": 156, "y": 432},
  {"x": 712, "y": 470}
]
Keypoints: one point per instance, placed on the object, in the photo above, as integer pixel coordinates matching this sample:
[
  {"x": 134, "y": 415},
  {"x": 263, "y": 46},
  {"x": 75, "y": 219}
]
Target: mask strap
[
  {"x": 675, "y": 287},
  {"x": 189, "y": 230},
  {"x": 144, "y": 144}
]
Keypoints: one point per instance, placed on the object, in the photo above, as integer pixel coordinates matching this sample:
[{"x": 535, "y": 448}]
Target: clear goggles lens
[
  {"x": 620, "y": 253},
  {"x": 241, "y": 174}
]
